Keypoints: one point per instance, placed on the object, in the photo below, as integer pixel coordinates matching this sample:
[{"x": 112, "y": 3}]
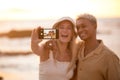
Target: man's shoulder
[
  {"x": 108, "y": 52},
  {"x": 104, "y": 49}
]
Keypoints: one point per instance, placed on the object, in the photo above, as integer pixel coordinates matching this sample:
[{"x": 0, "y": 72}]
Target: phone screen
[{"x": 48, "y": 34}]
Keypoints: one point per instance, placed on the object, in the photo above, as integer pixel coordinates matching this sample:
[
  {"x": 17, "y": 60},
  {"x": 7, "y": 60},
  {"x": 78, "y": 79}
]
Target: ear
[{"x": 95, "y": 26}]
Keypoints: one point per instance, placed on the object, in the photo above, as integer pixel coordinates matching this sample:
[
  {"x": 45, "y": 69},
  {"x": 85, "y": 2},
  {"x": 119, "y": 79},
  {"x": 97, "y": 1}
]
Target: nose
[{"x": 65, "y": 30}]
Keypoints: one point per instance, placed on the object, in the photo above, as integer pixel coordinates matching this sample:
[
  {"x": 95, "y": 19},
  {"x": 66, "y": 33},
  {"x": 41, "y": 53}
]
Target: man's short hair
[{"x": 89, "y": 17}]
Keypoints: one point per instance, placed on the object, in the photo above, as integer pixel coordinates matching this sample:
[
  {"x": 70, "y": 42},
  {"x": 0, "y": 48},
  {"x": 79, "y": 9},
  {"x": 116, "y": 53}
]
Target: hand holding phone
[{"x": 48, "y": 33}]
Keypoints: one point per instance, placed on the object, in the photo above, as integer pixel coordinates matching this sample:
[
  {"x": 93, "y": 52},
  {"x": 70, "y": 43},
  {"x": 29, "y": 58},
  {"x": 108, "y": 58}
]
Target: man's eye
[
  {"x": 83, "y": 26},
  {"x": 77, "y": 27}
]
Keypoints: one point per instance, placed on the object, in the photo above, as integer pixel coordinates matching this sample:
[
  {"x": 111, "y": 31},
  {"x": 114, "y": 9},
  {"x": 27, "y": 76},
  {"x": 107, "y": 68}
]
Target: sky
[{"x": 50, "y": 9}]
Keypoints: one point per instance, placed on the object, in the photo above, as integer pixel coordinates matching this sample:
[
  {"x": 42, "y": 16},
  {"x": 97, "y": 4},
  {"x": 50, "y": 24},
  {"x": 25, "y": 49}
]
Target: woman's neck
[
  {"x": 63, "y": 47},
  {"x": 64, "y": 53}
]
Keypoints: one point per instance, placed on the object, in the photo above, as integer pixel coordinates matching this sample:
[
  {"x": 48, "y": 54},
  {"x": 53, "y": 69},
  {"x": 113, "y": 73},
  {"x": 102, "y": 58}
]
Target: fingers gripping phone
[{"x": 48, "y": 34}]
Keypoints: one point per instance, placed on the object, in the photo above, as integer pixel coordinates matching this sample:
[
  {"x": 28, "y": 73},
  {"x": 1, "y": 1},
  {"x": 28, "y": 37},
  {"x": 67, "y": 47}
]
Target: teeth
[{"x": 64, "y": 35}]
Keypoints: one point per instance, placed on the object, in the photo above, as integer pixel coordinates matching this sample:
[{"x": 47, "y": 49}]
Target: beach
[
  {"x": 25, "y": 66},
  {"x": 19, "y": 67}
]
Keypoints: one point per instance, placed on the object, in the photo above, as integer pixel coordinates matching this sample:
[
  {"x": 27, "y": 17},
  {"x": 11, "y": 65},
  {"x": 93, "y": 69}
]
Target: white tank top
[{"x": 54, "y": 70}]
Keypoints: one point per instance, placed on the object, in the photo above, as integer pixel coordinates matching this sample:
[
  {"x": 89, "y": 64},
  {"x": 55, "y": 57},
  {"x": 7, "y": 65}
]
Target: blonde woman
[{"x": 56, "y": 55}]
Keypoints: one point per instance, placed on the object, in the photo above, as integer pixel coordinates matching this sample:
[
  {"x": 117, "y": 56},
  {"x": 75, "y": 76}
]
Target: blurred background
[{"x": 19, "y": 17}]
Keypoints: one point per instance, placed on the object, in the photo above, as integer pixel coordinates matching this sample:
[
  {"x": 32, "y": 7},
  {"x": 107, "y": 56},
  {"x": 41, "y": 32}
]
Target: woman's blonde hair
[{"x": 72, "y": 43}]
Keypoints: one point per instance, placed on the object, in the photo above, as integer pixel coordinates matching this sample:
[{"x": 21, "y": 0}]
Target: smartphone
[{"x": 48, "y": 33}]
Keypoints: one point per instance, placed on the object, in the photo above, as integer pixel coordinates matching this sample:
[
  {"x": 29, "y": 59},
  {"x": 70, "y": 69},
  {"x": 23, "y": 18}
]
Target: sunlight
[{"x": 44, "y": 9}]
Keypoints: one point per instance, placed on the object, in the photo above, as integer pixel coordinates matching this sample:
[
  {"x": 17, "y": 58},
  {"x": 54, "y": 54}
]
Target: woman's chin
[{"x": 64, "y": 40}]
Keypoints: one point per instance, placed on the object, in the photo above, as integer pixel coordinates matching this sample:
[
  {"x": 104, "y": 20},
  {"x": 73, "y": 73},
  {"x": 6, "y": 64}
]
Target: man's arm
[{"x": 114, "y": 68}]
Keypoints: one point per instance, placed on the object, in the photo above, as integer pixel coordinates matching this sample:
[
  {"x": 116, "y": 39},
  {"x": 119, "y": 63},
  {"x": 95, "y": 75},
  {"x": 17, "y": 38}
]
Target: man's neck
[{"x": 90, "y": 45}]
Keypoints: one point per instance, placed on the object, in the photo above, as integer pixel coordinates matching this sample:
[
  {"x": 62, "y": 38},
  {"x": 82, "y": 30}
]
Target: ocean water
[
  {"x": 25, "y": 67},
  {"x": 19, "y": 67}
]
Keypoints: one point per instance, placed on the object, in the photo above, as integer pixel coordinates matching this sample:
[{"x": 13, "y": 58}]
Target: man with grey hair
[{"x": 95, "y": 61}]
